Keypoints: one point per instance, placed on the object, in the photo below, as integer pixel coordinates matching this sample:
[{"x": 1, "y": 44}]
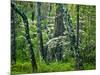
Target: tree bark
[
  {"x": 39, "y": 31},
  {"x": 26, "y": 24},
  {"x": 13, "y": 37},
  {"x": 59, "y": 29},
  {"x": 79, "y": 65},
  {"x": 59, "y": 26}
]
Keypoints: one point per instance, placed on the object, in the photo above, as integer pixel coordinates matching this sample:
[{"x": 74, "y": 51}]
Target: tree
[
  {"x": 32, "y": 55},
  {"x": 13, "y": 37},
  {"x": 59, "y": 26},
  {"x": 59, "y": 29},
  {"x": 79, "y": 65},
  {"x": 39, "y": 31}
]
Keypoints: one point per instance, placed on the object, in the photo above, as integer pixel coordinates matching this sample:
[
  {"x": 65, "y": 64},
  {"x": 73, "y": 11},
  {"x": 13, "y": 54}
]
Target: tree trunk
[
  {"x": 33, "y": 15},
  {"x": 39, "y": 31},
  {"x": 79, "y": 65},
  {"x": 26, "y": 24},
  {"x": 59, "y": 26},
  {"x": 59, "y": 29},
  {"x": 13, "y": 37}
]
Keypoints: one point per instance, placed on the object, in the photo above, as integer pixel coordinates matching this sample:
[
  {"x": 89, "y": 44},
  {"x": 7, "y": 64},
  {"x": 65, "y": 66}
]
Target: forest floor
[{"x": 26, "y": 67}]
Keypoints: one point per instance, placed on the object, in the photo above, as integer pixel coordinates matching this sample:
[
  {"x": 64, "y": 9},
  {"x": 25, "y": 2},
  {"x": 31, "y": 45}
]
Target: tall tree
[
  {"x": 13, "y": 37},
  {"x": 59, "y": 29},
  {"x": 39, "y": 30},
  {"x": 26, "y": 24},
  {"x": 79, "y": 65}
]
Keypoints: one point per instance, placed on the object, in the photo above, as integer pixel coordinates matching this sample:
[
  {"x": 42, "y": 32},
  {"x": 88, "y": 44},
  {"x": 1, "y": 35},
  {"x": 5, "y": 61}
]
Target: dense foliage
[{"x": 51, "y": 37}]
